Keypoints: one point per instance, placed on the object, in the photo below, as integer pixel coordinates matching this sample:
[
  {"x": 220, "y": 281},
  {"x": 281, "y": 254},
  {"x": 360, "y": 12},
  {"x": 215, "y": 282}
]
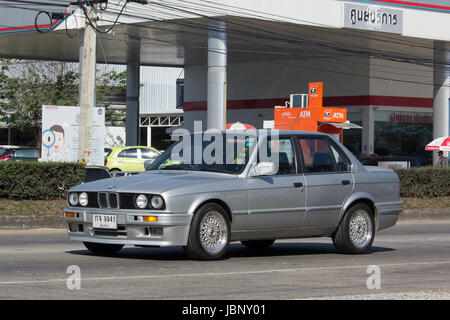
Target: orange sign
[{"x": 315, "y": 94}]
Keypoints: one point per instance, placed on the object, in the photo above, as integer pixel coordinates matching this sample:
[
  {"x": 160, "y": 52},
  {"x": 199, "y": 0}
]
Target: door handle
[
  {"x": 345, "y": 182},
  {"x": 298, "y": 184}
]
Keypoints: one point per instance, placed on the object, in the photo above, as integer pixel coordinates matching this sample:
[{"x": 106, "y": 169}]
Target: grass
[
  {"x": 54, "y": 207},
  {"x": 428, "y": 203},
  {"x": 31, "y": 207}
]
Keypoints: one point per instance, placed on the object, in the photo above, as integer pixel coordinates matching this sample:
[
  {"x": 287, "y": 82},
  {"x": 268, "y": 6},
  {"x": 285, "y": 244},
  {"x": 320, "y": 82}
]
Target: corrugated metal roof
[{"x": 158, "y": 90}]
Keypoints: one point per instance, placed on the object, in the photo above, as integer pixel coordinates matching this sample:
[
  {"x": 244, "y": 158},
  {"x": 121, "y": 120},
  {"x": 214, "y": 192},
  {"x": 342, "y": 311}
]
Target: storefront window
[
  {"x": 353, "y": 137},
  {"x": 404, "y": 133}
]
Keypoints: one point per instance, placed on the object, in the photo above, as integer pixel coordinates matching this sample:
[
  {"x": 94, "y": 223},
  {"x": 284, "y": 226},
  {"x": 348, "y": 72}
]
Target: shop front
[{"x": 404, "y": 133}]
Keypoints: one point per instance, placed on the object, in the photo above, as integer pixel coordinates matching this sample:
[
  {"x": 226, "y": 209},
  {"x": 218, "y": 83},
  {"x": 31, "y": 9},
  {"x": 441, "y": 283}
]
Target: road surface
[{"x": 410, "y": 260}]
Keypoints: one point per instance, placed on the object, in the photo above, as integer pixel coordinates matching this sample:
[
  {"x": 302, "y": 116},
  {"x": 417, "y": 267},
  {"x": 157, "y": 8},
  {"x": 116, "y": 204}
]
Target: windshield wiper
[
  {"x": 173, "y": 167},
  {"x": 214, "y": 170}
]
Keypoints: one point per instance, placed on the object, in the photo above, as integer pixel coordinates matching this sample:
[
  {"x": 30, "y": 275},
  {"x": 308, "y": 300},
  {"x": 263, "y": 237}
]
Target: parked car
[
  {"x": 314, "y": 187},
  {"x": 130, "y": 158},
  {"x": 400, "y": 161},
  {"x": 20, "y": 154},
  {"x": 5, "y": 147}
]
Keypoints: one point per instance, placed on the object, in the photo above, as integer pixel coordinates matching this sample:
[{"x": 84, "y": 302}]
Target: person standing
[{"x": 442, "y": 161}]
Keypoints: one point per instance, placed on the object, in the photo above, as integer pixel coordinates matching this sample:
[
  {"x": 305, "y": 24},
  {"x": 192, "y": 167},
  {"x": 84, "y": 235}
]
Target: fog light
[
  {"x": 156, "y": 232},
  {"x": 73, "y": 227}
]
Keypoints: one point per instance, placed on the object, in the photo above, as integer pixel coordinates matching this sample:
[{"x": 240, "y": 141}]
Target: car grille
[{"x": 110, "y": 200}]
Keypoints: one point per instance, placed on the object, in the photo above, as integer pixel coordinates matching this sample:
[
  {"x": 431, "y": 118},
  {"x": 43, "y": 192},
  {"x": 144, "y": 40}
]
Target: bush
[
  {"x": 426, "y": 182},
  {"x": 38, "y": 180}
]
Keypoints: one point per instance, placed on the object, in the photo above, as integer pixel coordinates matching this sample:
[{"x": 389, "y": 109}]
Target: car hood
[{"x": 152, "y": 182}]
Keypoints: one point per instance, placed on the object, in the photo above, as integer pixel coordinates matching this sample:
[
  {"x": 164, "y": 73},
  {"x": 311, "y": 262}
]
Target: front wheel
[
  {"x": 356, "y": 231},
  {"x": 209, "y": 234},
  {"x": 103, "y": 248}
]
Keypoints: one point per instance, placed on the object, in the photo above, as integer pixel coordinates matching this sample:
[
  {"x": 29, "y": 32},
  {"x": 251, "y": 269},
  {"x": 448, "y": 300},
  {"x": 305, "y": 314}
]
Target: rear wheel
[
  {"x": 103, "y": 248},
  {"x": 356, "y": 231},
  {"x": 258, "y": 244},
  {"x": 209, "y": 234}
]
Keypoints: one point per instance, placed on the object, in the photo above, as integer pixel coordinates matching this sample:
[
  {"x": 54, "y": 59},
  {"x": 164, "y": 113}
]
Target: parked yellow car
[{"x": 130, "y": 158}]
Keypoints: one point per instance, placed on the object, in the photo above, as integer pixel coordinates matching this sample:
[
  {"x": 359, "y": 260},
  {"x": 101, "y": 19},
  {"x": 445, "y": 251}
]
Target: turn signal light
[
  {"x": 150, "y": 219},
  {"x": 70, "y": 215}
]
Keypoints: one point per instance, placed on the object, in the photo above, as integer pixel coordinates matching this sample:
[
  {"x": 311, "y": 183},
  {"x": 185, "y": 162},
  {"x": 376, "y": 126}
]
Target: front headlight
[
  {"x": 141, "y": 201},
  {"x": 83, "y": 199},
  {"x": 73, "y": 199},
  {"x": 157, "y": 202}
]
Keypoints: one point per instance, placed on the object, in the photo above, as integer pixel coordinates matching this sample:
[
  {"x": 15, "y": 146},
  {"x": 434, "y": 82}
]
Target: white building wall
[{"x": 278, "y": 79}]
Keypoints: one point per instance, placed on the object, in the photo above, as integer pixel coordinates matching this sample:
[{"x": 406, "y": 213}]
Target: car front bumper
[{"x": 171, "y": 229}]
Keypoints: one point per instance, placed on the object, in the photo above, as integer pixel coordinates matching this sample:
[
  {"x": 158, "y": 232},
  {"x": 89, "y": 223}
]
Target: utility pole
[{"x": 87, "y": 88}]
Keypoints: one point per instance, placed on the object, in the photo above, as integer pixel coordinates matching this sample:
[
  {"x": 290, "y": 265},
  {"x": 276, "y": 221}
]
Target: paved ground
[{"x": 414, "y": 262}]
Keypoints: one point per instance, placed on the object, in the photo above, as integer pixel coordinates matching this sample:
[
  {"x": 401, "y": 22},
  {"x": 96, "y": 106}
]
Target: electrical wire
[{"x": 296, "y": 42}]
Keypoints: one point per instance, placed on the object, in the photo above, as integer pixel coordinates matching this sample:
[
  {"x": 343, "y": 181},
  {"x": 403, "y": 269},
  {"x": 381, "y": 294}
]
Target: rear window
[{"x": 107, "y": 152}]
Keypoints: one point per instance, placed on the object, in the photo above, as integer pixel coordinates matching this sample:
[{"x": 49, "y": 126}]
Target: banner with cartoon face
[{"x": 60, "y": 131}]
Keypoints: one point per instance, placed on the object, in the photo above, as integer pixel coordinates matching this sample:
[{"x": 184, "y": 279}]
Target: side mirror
[
  {"x": 264, "y": 169},
  {"x": 147, "y": 163}
]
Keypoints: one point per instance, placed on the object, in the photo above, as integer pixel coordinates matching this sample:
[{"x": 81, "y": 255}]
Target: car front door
[
  {"x": 329, "y": 181},
  {"x": 278, "y": 201}
]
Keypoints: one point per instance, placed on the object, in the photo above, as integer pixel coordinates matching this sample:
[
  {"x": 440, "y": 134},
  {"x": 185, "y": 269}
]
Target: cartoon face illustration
[{"x": 59, "y": 136}]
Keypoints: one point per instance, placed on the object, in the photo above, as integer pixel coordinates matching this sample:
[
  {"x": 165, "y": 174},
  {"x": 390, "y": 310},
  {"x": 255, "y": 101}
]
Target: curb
[{"x": 56, "y": 222}]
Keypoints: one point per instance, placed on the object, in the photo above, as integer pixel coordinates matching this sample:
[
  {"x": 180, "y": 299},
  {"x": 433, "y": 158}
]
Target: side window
[
  {"x": 341, "y": 161},
  {"x": 286, "y": 157},
  {"x": 317, "y": 155},
  {"x": 128, "y": 153},
  {"x": 149, "y": 154}
]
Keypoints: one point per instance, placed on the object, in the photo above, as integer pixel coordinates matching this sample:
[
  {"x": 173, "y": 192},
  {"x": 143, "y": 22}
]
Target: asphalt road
[{"x": 413, "y": 260}]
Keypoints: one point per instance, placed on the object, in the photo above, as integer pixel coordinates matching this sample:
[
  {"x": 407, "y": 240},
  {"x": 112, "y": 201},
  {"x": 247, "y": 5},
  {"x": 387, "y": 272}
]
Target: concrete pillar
[
  {"x": 133, "y": 85},
  {"x": 217, "y": 75},
  {"x": 368, "y": 131},
  {"x": 149, "y": 136},
  {"x": 441, "y": 91}
]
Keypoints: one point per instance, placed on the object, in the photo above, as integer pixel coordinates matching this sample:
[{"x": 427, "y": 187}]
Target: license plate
[{"x": 104, "y": 221}]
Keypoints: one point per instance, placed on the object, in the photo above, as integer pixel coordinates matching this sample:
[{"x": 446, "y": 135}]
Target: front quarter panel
[{"x": 230, "y": 193}]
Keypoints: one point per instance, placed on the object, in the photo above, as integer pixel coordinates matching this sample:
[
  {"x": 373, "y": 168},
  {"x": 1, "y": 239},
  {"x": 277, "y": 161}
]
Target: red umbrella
[
  {"x": 239, "y": 126},
  {"x": 440, "y": 144}
]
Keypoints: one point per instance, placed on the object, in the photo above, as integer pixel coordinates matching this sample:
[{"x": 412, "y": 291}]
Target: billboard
[{"x": 60, "y": 129}]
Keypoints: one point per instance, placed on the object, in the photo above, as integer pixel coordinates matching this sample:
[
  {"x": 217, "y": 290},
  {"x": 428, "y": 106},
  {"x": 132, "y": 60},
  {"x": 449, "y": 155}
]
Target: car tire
[
  {"x": 209, "y": 235},
  {"x": 258, "y": 244},
  {"x": 356, "y": 231},
  {"x": 103, "y": 248}
]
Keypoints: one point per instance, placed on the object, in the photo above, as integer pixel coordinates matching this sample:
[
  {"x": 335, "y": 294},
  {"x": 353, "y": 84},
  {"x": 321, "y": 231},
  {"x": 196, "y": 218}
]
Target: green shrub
[
  {"x": 426, "y": 182},
  {"x": 38, "y": 180}
]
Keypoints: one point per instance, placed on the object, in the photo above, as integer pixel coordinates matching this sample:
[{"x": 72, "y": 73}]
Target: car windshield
[{"x": 223, "y": 153}]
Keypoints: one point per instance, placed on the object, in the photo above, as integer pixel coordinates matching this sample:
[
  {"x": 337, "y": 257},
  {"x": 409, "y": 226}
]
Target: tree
[{"x": 27, "y": 85}]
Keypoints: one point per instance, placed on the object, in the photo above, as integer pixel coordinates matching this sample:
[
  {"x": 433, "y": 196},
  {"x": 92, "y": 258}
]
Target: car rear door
[
  {"x": 128, "y": 160},
  {"x": 329, "y": 181},
  {"x": 278, "y": 201}
]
